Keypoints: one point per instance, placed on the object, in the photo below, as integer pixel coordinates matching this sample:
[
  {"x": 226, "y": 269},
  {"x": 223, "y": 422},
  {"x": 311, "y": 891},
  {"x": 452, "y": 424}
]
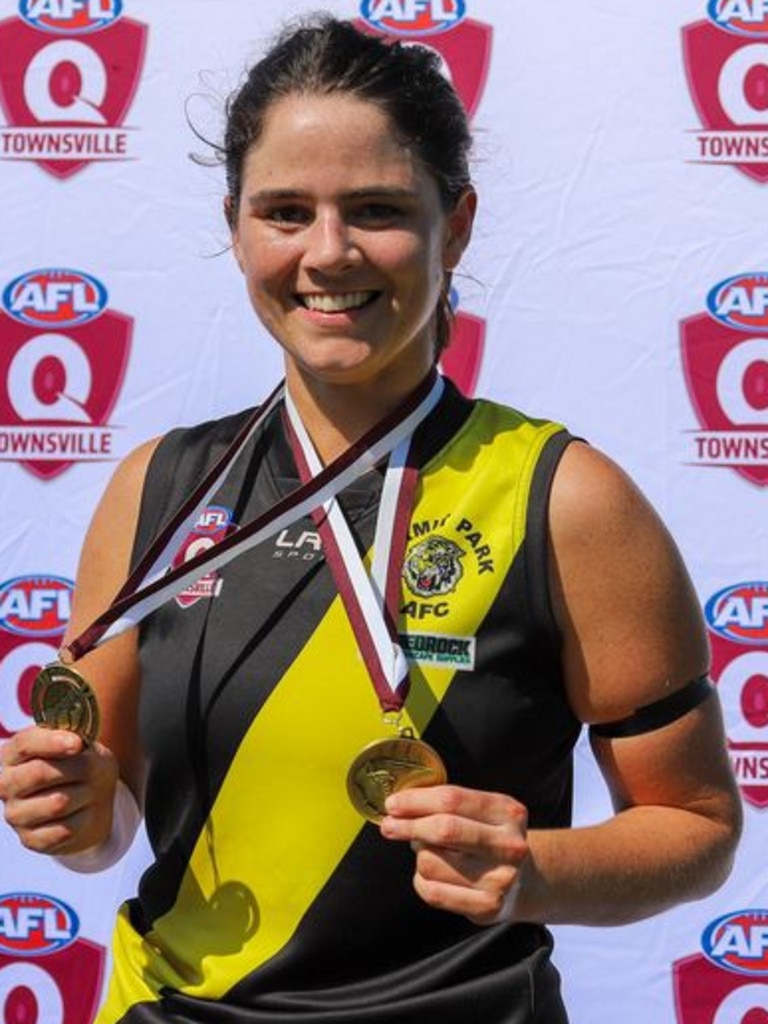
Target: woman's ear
[{"x": 459, "y": 228}]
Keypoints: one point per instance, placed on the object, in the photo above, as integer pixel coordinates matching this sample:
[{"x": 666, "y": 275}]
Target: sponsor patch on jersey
[
  {"x": 413, "y": 17},
  {"x": 32, "y": 924},
  {"x": 35, "y": 606},
  {"x": 739, "y": 942},
  {"x": 741, "y": 301},
  {"x": 70, "y": 17},
  {"x": 54, "y": 298},
  {"x": 740, "y": 613},
  {"x": 453, "y": 652},
  {"x": 213, "y": 525},
  {"x": 743, "y": 17},
  {"x": 432, "y": 567}
]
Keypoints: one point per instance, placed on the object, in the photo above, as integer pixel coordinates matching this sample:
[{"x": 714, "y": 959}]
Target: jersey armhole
[{"x": 536, "y": 543}]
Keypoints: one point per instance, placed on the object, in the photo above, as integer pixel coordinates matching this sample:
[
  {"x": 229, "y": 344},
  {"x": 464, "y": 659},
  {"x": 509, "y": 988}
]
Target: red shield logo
[
  {"x": 65, "y": 97},
  {"x": 726, "y": 372},
  {"x": 728, "y": 80},
  {"x": 465, "y": 51},
  {"x": 57, "y": 391},
  {"x": 463, "y": 358},
  {"x": 63, "y": 987},
  {"x": 705, "y": 994},
  {"x": 741, "y": 673}
]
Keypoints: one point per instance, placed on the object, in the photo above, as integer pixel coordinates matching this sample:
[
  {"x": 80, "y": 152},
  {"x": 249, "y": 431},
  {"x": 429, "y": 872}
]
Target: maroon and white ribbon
[
  {"x": 153, "y": 582},
  {"x": 370, "y": 598}
]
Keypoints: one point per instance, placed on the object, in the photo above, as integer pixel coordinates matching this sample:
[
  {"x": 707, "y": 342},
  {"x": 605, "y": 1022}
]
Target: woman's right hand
[{"x": 58, "y": 793}]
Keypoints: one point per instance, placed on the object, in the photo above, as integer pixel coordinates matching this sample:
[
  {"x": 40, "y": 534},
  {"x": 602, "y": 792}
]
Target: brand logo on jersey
[
  {"x": 70, "y": 17},
  {"x": 741, "y": 302},
  {"x": 726, "y": 64},
  {"x": 432, "y": 567},
  {"x": 740, "y": 613},
  {"x": 725, "y": 364},
  {"x": 453, "y": 652},
  {"x": 744, "y": 17},
  {"x": 35, "y": 606},
  {"x": 413, "y": 17},
  {"x": 462, "y": 44},
  {"x": 69, "y": 70},
  {"x": 55, "y": 298},
  {"x": 35, "y": 925},
  {"x": 213, "y": 525},
  {"x": 59, "y": 385},
  {"x": 739, "y": 942}
]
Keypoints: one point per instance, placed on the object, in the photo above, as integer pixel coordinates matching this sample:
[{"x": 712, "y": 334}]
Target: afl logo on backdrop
[
  {"x": 740, "y": 613},
  {"x": 35, "y": 606},
  {"x": 725, "y": 364},
  {"x": 726, "y": 64},
  {"x": 739, "y": 942},
  {"x": 725, "y": 983},
  {"x": 413, "y": 17},
  {"x": 35, "y": 925},
  {"x": 55, "y": 298},
  {"x": 743, "y": 17},
  {"x": 70, "y": 16},
  {"x": 63, "y": 356},
  {"x": 69, "y": 70},
  {"x": 463, "y": 44}
]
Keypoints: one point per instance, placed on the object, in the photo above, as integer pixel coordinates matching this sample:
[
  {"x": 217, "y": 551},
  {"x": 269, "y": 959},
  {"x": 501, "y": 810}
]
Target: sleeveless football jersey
[{"x": 270, "y": 898}]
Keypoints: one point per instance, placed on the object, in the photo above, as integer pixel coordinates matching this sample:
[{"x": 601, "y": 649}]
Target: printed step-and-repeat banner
[{"x": 618, "y": 280}]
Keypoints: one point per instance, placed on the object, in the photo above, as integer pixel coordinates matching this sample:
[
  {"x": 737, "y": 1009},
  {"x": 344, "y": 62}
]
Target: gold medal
[
  {"x": 387, "y": 766},
  {"x": 62, "y": 699}
]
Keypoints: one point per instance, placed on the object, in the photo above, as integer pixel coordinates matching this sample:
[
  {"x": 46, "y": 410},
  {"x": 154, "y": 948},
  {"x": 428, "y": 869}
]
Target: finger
[
  {"x": 31, "y": 777},
  {"x": 501, "y": 843},
  {"x": 441, "y": 865},
  {"x": 57, "y": 837},
  {"x": 37, "y": 742},
  {"x": 53, "y": 805},
  {"x": 481, "y": 906},
  {"x": 492, "y": 808}
]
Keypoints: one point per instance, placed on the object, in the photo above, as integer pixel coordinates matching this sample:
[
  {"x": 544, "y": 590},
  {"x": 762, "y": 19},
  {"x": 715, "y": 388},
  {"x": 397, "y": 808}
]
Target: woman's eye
[
  {"x": 288, "y": 215},
  {"x": 378, "y": 213}
]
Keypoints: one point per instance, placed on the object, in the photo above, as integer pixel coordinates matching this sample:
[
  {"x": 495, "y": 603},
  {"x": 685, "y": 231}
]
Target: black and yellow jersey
[{"x": 270, "y": 899}]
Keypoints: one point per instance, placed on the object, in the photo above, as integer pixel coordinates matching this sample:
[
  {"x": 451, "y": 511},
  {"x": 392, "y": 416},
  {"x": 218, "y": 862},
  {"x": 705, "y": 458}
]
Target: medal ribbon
[
  {"x": 371, "y": 601},
  {"x": 153, "y": 582}
]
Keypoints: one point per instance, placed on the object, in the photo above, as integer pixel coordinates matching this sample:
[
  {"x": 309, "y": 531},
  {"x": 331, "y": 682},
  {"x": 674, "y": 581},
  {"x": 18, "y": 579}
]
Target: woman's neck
[{"x": 337, "y": 415}]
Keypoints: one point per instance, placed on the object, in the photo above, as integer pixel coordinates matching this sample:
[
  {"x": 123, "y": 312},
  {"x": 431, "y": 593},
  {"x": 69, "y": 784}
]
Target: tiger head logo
[{"x": 432, "y": 567}]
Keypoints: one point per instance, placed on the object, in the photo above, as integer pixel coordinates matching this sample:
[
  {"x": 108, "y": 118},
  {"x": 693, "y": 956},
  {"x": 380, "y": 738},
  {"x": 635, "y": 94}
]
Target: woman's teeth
[{"x": 336, "y": 303}]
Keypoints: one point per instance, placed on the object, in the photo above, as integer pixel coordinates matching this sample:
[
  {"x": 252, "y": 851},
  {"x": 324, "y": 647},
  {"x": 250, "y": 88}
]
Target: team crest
[{"x": 432, "y": 567}]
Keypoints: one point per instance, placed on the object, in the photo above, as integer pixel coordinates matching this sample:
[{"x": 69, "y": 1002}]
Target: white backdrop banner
[{"x": 618, "y": 281}]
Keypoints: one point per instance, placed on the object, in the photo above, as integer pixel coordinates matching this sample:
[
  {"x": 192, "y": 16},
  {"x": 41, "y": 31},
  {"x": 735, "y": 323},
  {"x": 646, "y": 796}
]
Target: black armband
[{"x": 659, "y": 713}]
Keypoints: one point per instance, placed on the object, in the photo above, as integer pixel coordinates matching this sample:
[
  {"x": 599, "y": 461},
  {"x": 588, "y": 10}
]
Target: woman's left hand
[{"x": 470, "y": 848}]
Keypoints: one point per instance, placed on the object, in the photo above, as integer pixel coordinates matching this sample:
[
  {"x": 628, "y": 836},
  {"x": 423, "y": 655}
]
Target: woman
[{"x": 502, "y": 555}]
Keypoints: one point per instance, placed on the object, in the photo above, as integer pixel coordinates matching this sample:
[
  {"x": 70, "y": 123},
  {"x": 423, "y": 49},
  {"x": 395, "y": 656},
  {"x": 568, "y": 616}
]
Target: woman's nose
[{"x": 330, "y": 243}]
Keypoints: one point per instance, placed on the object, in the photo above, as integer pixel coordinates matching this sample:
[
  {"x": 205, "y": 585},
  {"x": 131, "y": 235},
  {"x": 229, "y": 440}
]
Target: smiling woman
[{"x": 356, "y": 763}]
